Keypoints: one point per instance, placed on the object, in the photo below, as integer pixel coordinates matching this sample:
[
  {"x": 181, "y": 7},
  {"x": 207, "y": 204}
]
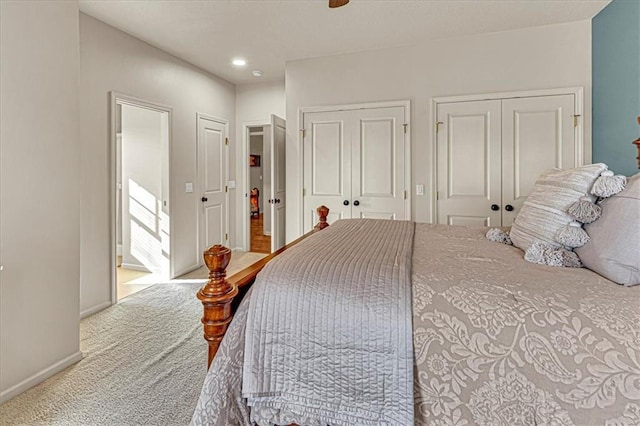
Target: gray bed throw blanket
[{"x": 329, "y": 337}]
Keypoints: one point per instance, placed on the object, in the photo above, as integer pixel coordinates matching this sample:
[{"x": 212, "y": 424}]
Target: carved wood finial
[
  {"x": 216, "y": 297},
  {"x": 637, "y": 144},
  {"x": 323, "y": 212}
]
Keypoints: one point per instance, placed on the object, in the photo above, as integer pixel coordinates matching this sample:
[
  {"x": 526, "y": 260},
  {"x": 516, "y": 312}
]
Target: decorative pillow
[
  {"x": 614, "y": 249},
  {"x": 544, "y": 213}
]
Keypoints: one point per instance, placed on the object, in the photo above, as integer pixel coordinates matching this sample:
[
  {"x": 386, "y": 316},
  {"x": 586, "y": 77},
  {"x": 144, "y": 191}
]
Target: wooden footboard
[{"x": 220, "y": 296}]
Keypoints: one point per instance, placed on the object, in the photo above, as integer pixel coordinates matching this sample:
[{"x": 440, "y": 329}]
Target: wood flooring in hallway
[{"x": 260, "y": 243}]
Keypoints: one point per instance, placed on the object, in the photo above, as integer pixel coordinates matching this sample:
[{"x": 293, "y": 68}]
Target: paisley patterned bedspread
[
  {"x": 500, "y": 341},
  {"x": 497, "y": 341}
]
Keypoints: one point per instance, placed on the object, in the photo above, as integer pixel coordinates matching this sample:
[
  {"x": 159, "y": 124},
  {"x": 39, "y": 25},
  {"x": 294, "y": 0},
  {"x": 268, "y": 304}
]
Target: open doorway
[
  {"x": 259, "y": 188},
  {"x": 265, "y": 199},
  {"x": 141, "y": 239}
]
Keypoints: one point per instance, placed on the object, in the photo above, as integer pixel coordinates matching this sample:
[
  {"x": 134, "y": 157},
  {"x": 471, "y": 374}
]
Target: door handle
[
  {"x": 495, "y": 207},
  {"x": 204, "y": 199},
  {"x": 345, "y": 202},
  {"x": 277, "y": 201},
  {"x": 508, "y": 208},
  {"x": 356, "y": 203}
]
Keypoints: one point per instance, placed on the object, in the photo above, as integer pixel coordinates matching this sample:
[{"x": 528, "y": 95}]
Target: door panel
[
  {"x": 378, "y": 165},
  {"x": 214, "y": 224},
  {"x": 537, "y": 135},
  {"x": 278, "y": 183},
  {"x": 212, "y": 175},
  {"x": 469, "y": 149},
  {"x": 469, "y": 163},
  {"x": 326, "y": 154},
  {"x": 376, "y": 215},
  {"x": 327, "y": 166},
  {"x": 469, "y": 220},
  {"x": 377, "y": 157}
]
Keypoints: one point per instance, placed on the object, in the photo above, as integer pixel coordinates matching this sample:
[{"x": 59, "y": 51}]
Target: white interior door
[
  {"x": 327, "y": 166},
  {"x": 212, "y": 178},
  {"x": 378, "y": 164},
  {"x": 267, "y": 145},
  {"x": 537, "y": 134},
  {"x": 469, "y": 163},
  {"x": 278, "y": 182}
]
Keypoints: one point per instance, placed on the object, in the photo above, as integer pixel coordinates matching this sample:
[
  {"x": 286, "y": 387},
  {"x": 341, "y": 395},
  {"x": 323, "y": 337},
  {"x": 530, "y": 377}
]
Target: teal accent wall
[{"x": 616, "y": 85}]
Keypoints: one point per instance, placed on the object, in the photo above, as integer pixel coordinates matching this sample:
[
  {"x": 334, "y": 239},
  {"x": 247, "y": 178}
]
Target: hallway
[{"x": 260, "y": 243}]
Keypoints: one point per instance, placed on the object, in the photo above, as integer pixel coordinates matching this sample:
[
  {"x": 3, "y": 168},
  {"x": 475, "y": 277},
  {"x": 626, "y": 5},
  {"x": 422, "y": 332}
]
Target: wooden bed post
[
  {"x": 218, "y": 293},
  {"x": 216, "y": 297},
  {"x": 323, "y": 212}
]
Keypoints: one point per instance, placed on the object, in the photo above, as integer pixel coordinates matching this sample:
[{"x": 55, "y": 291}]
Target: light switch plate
[
  {"x": 232, "y": 184},
  {"x": 419, "y": 189},
  {"x": 188, "y": 187}
]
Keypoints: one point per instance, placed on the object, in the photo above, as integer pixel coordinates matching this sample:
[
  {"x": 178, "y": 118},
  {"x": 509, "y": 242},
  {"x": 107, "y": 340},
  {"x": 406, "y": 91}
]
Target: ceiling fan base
[{"x": 337, "y": 3}]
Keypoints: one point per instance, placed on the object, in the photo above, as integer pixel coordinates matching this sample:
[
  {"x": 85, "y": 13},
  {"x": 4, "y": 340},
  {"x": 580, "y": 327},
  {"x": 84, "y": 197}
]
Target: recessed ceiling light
[
  {"x": 257, "y": 73},
  {"x": 239, "y": 62}
]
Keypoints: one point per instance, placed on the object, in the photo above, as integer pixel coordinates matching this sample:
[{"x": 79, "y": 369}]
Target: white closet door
[
  {"x": 537, "y": 134},
  {"x": 327, "y": 166},
  {"x": 378, "y": 164},
  {"x": 469, "y": 163}
]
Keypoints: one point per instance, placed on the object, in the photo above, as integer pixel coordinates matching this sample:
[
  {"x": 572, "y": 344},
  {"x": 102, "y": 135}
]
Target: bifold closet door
[
  {"x": 469, "y": 163},
  {"x": 354, "y": 163},
  {"x": 538, "y": 134}
]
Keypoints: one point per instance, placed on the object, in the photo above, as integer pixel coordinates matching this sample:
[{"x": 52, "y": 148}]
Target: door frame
[
  {"x": 115, "y": 98},
  {"x": 198, "y": 186},
  {"x": 244, "y": 172},
  {"x": 583, "y": 151},
  {"x": 406, "y": 103}
]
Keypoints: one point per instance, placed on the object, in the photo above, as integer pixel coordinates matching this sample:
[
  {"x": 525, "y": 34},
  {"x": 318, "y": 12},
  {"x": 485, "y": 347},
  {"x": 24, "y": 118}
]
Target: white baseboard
[
  {"x": 268, "y": 234},
  {"x": 186, "y": 270},
  {"x": 94, "y": 309},
  {"x": 134, "y": 267},
  {"x": 39, "y": 377}
]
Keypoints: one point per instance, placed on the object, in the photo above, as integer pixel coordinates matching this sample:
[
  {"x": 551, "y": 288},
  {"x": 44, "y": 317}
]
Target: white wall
[
  {"x": 40, "y": 194},
  {"x": 111, "y": 60},
  {"x": 533, "y": 58},
  {"x": 254, "y": 104}
]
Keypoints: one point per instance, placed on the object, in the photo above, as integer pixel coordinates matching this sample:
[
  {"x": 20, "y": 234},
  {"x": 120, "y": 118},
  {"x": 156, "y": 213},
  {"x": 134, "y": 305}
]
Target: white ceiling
[{"x": 209, "y": 34}]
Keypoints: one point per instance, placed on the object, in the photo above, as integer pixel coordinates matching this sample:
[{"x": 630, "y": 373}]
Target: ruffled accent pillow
[
  {"x": 544, "y": 214},
  {"x": 614, "y": 247}
]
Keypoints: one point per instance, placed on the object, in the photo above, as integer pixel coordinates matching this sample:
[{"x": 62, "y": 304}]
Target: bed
[{"x": 495, "y": 340}]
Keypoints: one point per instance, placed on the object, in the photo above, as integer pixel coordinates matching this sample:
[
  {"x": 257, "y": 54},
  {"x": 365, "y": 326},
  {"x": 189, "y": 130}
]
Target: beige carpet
[{"x": 144, "y": 363}]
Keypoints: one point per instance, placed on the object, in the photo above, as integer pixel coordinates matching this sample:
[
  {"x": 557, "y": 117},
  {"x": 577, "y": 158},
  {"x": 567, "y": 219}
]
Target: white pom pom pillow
[
  {"x": 614, "y": 248},
  {"x": 544, "y": 214}
]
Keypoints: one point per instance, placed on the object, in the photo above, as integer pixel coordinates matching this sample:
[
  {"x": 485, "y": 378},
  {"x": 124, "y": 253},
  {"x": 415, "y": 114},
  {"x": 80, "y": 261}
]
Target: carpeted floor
[{"x": 144, "y": 363}]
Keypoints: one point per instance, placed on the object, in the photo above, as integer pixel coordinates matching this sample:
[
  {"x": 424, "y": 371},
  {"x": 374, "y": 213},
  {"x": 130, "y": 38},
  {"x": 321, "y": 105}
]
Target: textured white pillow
[
  {"x": 614, "y": 249},
  {"x": 544, "y": 212}
]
